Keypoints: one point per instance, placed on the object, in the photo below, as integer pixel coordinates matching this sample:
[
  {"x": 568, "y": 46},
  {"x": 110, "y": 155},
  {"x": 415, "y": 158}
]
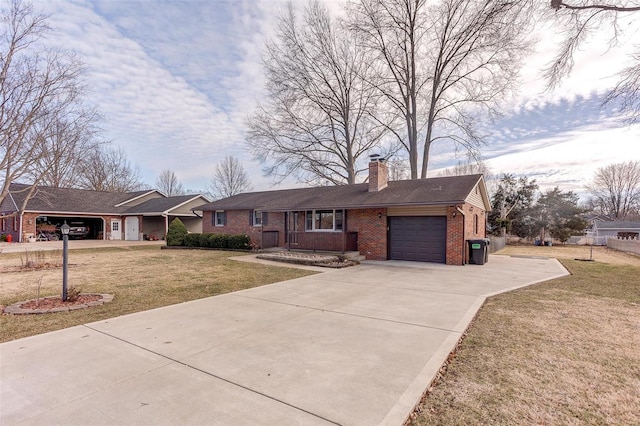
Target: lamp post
[{"x": 65, "y": 258}]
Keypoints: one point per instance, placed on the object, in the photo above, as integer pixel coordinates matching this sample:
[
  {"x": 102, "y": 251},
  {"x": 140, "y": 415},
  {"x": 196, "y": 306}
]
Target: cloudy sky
[{"x": 175, "y": 80}]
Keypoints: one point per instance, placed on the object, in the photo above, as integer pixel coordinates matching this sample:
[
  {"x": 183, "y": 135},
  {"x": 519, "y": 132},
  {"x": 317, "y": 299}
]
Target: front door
[
  {"x": 131, "y": 229},
  {"x": 116, "y": 233}
]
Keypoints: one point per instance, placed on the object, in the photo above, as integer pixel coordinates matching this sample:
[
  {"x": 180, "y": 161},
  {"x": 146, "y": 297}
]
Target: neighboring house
[
  {"x": 421, "y": 220},
  {"x": 616, "y": 229},
  {"x": 108, "y": 215}
]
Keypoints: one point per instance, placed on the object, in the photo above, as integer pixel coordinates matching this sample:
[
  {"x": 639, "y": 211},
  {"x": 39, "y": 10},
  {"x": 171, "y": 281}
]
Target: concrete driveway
[{"x": 356, "y": 346}]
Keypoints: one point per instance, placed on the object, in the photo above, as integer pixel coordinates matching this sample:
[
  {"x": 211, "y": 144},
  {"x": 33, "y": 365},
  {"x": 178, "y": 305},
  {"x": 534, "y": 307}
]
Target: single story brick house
[
  {"x": 108, "y": 215},
  {"x": 419, "y": 220}
]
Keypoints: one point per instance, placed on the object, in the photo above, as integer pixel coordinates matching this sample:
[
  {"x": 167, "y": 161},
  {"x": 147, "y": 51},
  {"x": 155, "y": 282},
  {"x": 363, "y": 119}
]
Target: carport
[{"x": 95, "y": 224}]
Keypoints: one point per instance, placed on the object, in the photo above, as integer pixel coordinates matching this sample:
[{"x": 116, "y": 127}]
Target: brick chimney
[{"x": 378, "y": 173}]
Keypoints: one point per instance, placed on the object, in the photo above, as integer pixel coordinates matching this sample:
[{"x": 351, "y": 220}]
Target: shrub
[
  {"x": 217, "y": 241},
  {"x": 191, "y": 240},
  {"x": 177, "y": 232},
  {"x": 203, "y": 240},
  {"x": 239, "y": 242}
]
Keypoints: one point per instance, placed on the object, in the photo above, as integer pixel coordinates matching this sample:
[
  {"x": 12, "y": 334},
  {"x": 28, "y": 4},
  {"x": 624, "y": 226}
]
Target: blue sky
[{"x": 175, "y": 80}]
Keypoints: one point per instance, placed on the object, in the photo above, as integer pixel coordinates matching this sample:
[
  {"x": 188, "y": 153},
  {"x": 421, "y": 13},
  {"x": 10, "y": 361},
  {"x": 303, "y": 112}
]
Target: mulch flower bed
[{"x": 45, "y": 305}]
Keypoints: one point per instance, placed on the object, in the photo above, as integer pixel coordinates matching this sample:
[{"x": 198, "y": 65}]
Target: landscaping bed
[{"x": 310, "y": 259}]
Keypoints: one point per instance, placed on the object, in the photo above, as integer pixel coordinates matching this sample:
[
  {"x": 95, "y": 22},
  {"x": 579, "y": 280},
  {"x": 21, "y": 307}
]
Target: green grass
[
  {"x": 141, "y": 278},
  {"x": 562, "y": 352}
]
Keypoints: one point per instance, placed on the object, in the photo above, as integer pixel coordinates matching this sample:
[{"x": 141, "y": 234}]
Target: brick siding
[
  {"x": 238, "y": 224},
  {"x": 372, "y": 231}
]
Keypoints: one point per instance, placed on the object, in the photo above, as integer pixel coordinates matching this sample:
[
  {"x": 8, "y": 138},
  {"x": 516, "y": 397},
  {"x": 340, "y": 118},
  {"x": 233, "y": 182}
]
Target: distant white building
[{"x": 616, "y": 229}]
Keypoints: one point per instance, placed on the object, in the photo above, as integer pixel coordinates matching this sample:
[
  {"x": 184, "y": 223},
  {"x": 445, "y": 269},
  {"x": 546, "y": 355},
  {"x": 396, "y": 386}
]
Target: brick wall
[
  {"x": 462, "y": 228},
  {"x": 238, "y": 224},
  {"x": 372, "y": 231}
]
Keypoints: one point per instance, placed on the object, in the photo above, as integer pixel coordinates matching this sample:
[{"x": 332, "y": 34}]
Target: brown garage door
[{"x": 418, "y": 238}]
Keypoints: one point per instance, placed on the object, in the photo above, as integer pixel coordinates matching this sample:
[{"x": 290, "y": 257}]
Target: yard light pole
[{"x": 65, "y": 258}]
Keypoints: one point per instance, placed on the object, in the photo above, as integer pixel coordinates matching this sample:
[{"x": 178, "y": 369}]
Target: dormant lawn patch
[
  {"x": 562, "y": 352},
  {"x": 140, "y": 278}
]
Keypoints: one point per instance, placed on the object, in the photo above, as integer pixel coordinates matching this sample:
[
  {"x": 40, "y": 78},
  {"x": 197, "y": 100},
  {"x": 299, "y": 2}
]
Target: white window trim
[
  {"x": 255, "y": 217},
  {"x": 216, "y": 218},
  {"x": 313, "y": 220}
]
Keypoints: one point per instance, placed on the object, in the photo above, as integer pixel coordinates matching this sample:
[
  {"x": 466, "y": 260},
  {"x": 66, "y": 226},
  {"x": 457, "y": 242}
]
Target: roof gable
[
  {"x": 140, "y": 197},
  {"x": 163, "y": 205}
]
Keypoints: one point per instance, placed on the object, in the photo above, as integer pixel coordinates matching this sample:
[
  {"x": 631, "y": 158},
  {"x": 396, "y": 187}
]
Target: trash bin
[
  {"x": 478, "y": 252},
  {"x": 486, "y": 249}
]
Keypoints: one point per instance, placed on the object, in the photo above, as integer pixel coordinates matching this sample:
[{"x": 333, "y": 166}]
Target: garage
[{"x": 418, "y": 238}]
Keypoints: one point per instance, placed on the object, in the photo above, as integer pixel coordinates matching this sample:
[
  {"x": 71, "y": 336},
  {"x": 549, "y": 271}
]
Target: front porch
[{"x": 340, "y": 242}]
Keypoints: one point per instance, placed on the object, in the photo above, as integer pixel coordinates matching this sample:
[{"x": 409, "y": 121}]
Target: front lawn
[
  {"x": 565, "y": 351},
  {"x": 141, "y": 278}
]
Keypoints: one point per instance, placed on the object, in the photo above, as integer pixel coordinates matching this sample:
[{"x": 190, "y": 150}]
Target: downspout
[
  {"x": 166, "y": 225},
  {"x": 20, "y": 227},
  {"x": 464, "y": 217}
]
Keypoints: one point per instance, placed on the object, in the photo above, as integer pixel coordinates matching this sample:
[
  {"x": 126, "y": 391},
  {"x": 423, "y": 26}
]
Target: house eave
[
  {"x": 345, "y": 207},
  {"x": 73, "y": 213}
]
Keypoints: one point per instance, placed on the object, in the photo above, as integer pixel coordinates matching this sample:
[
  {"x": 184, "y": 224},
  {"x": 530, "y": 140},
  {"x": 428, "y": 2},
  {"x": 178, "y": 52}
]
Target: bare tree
[
  {"x": 64, "y": 149},
  {"x": 228, "y": 179},
  {"x": 579, "y": 20},
  {"x": 467, "y": 168},
  {"x": 169, "y": 184},
  {"x": 108, "y": 169},
  {"x": 398, "y": 168},
  {"x": 319, "y": 119},
  {"x": 443, "y": 66},
  {"x": 39, "y": 88},
  {"x": 616, "y": 189}
]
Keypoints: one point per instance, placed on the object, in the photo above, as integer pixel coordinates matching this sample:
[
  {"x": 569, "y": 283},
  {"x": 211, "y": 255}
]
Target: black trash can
[{"x": 478, "y": 252}]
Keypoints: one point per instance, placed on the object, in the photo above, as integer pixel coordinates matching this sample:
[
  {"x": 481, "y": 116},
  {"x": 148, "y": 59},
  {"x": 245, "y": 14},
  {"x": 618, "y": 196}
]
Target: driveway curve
[{"x": 355, "y": 346}]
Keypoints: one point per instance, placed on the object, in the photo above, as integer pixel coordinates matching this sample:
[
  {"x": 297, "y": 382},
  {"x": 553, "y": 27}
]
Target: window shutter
[
  {"x": 265, "y": 216},
  {"x": 224, "y": 218},
  {"x": 250, "y": 217},
  {"x": 213, "y": 218}
]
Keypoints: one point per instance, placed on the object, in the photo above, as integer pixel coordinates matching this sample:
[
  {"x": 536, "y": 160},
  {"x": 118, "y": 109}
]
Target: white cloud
[{"x": 175, "y": 81}]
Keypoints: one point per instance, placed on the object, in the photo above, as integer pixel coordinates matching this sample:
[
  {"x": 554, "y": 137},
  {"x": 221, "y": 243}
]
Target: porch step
[{"x": 355, "y": 256}]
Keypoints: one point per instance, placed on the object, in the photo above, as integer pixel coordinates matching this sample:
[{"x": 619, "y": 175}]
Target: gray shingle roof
[
  {"x": 70, "y": 200},
  {"x": 619, "y": 224},
  {"x": 433, "y": 191}
]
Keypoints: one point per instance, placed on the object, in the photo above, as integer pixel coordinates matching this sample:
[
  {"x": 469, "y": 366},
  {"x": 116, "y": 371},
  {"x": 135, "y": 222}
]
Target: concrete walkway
[{"x": 354, "y": 346}]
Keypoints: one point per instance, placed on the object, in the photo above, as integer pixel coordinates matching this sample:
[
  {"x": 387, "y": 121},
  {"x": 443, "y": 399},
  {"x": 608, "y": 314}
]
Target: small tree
[
  {"x": 557, "y": 213},
  {"x": 168, "y": 183},
  {"x": 176, "y": 233},
  {"x": 228, "y": 179}
]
